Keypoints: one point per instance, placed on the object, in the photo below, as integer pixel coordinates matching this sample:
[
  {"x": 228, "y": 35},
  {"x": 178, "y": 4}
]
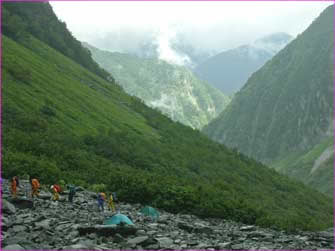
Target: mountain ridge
[
  {"x": 172, "y": 89},
  {"x": 287, "y": 106},
  {"x": 229, "y": 70}
]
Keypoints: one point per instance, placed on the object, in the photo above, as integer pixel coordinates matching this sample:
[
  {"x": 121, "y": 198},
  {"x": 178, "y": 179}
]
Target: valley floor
[{"x": 45, "y": 224}]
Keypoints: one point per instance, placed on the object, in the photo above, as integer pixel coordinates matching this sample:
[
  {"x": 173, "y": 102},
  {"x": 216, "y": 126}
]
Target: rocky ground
[{"x": 44, "y": 224}]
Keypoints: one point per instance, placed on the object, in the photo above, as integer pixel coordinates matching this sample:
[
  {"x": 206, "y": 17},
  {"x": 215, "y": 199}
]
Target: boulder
[
  {"x": 76, "y": 246},
  {"x": 164, "y": 242},
  {"x": 13, "y": 247},
  {"x": 44, "y": 195},
  {"x": 44, "y": 224},
  {"x": 247, "y": 228},
  {"x": 7, "y": 207},
  {"x": 108, "y": 230},
  {"x": 138, "y": 240},
  {"x": 19, "y": 228},
  {"x": 22, "y": 203}
]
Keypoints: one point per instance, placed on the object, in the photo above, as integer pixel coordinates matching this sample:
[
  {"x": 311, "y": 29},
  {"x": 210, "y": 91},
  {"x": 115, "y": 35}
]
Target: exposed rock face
[
  {"x": 63, "y": 226},
  {"x": 172, "y": 89}
]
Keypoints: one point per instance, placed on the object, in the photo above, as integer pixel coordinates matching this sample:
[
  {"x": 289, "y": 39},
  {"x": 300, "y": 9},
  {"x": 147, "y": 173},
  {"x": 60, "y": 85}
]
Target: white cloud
[{"x": 210, "y": 25}]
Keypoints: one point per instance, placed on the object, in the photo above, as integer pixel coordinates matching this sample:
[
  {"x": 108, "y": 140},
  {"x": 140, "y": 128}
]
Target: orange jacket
[
  {"x": 35, "y": 184},
  {"x": 13, "y": 184}
]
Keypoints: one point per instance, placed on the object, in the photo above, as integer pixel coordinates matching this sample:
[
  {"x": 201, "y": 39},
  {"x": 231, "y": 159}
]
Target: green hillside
[
  {"x": 315, "y": 167},
  {"x": 172, "y": 89},
  {"x": 19, "y": 20},
  {"x": 60, "y": 121},
  {"x": 287, "y": 106}
]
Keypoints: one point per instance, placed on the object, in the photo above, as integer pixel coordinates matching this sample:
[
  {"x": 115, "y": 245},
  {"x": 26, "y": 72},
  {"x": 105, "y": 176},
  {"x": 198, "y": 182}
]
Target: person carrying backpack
[
  {"x": 101, "y": 201},
  {"x": 72, "y": 192},
  {"x": 14, "y": 185},
  {"x": 111, "y": 203},
  {"x": 35, "y": 186},
  {"x": 55, "y": 192}
]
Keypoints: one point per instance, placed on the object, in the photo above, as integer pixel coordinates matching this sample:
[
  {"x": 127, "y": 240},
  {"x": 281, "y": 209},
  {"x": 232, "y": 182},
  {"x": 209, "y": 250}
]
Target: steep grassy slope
[
  {"x": 287, "y": 106},
  {"x": 20, "y": 19},
  {"x": 62, "y": 122},
  {"x": 315, "y": 166},
  {"x": 172, "y": 89}
]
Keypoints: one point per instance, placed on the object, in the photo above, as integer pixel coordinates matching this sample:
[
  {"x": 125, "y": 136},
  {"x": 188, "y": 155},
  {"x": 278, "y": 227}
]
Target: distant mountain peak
[{"x": 273, "y": 43}]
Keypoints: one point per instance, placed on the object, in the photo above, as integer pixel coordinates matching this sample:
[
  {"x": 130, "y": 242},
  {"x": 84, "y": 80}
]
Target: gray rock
[
  {"x": 138, "y": 240},
  {"x": 80, "y": 189},
  {"x": 257, "y": 234},
  {"x": 237, "y": 247},
  {"x": 247, "y": 228},
  {"x": 192, "y": 242},
  {"x": 76, "y": 246},
  {"x": 4, "y": 223},
  {"x": 141, "y": 232},
  {"x": 223, "y": 245},
  {"x": 118, "y": 238},
  {"x": 108, "y": 230},
  {"x": 19, "y": 228},
  {"x": 164, "y": 242},
  {"x": 14, "y": 247},
  {"x": 22, "y": 203},
  {"x": 45, "y": 224},
  {"x": 7, "y": 207},
  {"x": 44, "y": 195}
]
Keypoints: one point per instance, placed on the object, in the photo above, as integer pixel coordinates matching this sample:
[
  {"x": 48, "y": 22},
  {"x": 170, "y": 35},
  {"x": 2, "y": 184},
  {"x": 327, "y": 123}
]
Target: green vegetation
[
  {"x": 21, "y": 19},
  {"x": 315, "y": 167},
  {"x": 287, "y": 106},
  {"x": 172, "y": 89},
  {"x": 61, "y": 121}
]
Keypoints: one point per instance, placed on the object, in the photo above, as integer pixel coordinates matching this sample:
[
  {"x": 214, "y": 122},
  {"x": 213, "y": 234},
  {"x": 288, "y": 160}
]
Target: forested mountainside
[
  {"x": 61, "y": 121},
  {"x": 286, "y": 108},
  {"x": 172, "y": 89},
  {"x": 18, "y": 21},
  {"x": 315, "y": 166},
  {"x": 229, "y": 70}
]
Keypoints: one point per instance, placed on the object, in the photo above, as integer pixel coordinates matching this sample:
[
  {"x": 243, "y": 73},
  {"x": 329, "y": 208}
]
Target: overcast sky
[{"x": 213, "y": 26}]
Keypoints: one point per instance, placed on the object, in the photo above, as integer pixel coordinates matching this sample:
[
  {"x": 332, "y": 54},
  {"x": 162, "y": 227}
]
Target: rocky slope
[
  {"x": 229, "y": 70},
  {"x": 172, "y": 89},
  {"x": 44, "y": 224},
  {"x": 285, "y": 108}
]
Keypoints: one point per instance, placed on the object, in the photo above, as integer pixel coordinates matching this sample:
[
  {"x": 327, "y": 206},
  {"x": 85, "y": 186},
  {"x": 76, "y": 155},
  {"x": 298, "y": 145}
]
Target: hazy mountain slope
[
  {"x": 230, "y": 70},
  {"x": 172, "y": 89},
  {"x": 287, "y": 106}
]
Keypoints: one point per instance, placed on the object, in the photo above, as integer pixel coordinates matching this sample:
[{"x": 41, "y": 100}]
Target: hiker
[
  {"x": 14, "y": 185},
  {"x": 111, "y": 203},
  {"x": 55, "y": 192},
  {"x": 101, "y": 201},
  {"x": 35, "y": 186},
  {"x": 72, "y": 192}
]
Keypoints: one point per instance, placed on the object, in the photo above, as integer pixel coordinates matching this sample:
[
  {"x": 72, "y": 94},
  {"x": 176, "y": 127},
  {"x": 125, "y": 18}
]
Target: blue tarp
[{"x": 117, "y": 219}]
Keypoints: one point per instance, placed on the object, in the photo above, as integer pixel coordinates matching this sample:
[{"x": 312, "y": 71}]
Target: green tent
[
  {"x": 150, "y": 211},
  {"x": 117, "y": 219}
]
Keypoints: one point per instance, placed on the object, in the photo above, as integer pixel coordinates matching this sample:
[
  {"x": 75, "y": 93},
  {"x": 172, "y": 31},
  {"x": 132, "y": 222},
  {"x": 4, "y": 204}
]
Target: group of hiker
[
  {"x": 110, "y": 203},
  {"x": 56, "y": 190},
  {"x": 35, "y": 185}
]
